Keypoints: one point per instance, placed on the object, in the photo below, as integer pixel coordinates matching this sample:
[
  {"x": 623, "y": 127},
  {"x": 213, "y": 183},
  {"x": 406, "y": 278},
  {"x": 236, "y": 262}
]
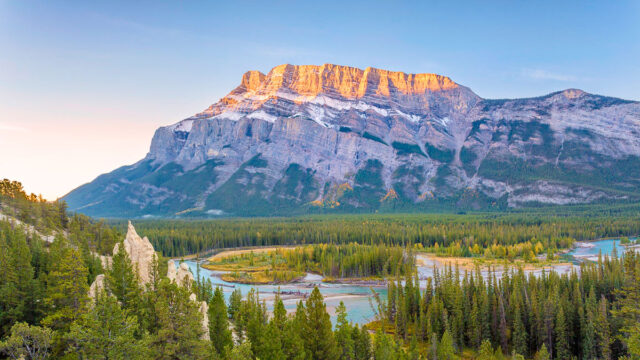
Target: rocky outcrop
[
  {"x": 140, "y": 252},
  {"x": 182, "y": 275},
  {"x": 97, "y": 286},
  {"x": 287, "y": 142},
  {"x": 142, "y": 255},
  {"x": 204, "y": 310}
]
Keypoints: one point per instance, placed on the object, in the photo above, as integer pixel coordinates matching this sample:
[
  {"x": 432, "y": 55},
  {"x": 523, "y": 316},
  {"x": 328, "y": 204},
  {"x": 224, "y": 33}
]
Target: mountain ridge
[{"x": 284, "y": 142}]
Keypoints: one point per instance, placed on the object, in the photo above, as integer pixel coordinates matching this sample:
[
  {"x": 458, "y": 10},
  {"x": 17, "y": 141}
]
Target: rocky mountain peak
[
  {"x": 573, "y": 93},
  {"x": 287, "y": 141},
  {"x": 348, "y": 82}
]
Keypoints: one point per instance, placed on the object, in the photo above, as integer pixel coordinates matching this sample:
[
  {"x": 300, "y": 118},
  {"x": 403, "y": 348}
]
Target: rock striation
[{"x": 337, "y": 138}]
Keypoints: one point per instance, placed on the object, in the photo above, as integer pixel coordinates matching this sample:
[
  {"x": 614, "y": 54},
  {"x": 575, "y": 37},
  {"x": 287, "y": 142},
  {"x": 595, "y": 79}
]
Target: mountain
[{"x": 340, "y": 139}]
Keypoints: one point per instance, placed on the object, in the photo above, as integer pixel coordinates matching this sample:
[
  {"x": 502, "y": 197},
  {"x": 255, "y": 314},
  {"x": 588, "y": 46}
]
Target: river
[{"x": 357, "y": 298}]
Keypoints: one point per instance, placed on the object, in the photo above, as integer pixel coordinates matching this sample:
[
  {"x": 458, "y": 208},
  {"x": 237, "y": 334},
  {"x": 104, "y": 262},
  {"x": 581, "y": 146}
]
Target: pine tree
[
  {"x": 235, "y": 301},
  {"x": 27, "y": 341},
  {"x": 486, "y": 351},
  {"x": 318, "y": 336},
  {"x": 446, "y": 349},
  {"x": 519, "y": 334},
  {"x": 589, "y": 332},
  {"x": 106, "y": 332},
  {"x": 292, "y": 342},
  {"x": 179, "y": 329},
  {"x": 343, "y": 333},
  {"x": 561, "y": 336},
  {"x": 219, "y": 324},
  {"x": 17, "y": 285},
  {"x": 67, "y": 292},
  {"x": 384, "y": 347},
  {"x": 542, "y": 354},
  {"x": 603, "y": 332},
  {"x": 242, "y": 352},
  {"x": 627, "y": 307},
  {"x": 362, "y": 343},
  {"x": 122, "y": 280}
]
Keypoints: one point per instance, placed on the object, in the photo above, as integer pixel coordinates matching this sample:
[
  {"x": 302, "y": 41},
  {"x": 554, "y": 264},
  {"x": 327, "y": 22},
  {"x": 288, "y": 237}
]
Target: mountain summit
[{"x": 335, "y": 138}]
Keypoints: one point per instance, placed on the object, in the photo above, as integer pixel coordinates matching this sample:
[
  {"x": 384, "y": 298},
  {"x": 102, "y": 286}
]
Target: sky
[{"x": 84, "y": 84}]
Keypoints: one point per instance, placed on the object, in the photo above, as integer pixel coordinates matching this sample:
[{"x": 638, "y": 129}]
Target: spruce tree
[
  {"x": 179, "y": 332},
  {"x": 446, "y": 349},
  {"x": 561, "y": 336},
  {"x": 219, "y": 333},
  {"x": 603, "y": 332},
  {"x": 542, "y": 354},
  {"x": 362, "y": 343},
  {"x": 519, "y": 334},
  {"x": 343, "y": 333},
  {"x": 318, "y": 336},
  {"x": 122, "y": 280},
  {"x": 67, "y": 292},
  {"x": 106, "y": 332}
]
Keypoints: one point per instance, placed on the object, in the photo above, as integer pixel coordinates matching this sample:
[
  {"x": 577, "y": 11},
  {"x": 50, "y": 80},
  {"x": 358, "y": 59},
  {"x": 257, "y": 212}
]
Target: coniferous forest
[{"x": 50, "y": 258}]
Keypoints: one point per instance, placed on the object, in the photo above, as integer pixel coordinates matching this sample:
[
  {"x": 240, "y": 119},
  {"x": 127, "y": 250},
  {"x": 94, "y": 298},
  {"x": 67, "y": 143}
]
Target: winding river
[{"x": 358, "y": 298}]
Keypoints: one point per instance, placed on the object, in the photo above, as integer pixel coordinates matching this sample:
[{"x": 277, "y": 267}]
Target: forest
[
  {"x": 590, "y": 314},
  {"x": 457, "y": 232},
  {"x": 348, "y": 261},
  {"x": 46, "y": 311}
]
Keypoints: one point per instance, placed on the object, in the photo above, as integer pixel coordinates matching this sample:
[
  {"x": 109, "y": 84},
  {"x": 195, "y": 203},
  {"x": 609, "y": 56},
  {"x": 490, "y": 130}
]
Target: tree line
[
  {"x": 590, "y": 314},
  {"x": 352, "y": 260},
  {"x": 460, "y": 233}
]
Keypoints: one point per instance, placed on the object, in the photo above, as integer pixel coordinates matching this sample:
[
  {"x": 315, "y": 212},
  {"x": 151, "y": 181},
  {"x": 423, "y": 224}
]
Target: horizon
[{"x": 84, "y": 86}]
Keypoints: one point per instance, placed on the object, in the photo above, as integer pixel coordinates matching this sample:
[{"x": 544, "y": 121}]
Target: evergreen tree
[
  {"x": 561, "y": 336},
  {"x": 219, "y": 333},
  {"x": 106, "y": 332},
  {"x": 542, "y": 354},
  {"x": 343, "y": 333},
  {"x": 384, "y": 347},
  {"x": 627, "y": 307},
  {"x": 362, "y": 343},
  {"x": 242, "y": 352},
  {"x": 235, "y": 302},
  {"x": 179, "y": 332},
  {"x": 446, "y": 350},
  {"x": 519, "y": 333},
  {"x": 603, "y": 332},
  {"x": 122, "y": 279},
  {"x": 486, "y": 351},
  {"x": 318, "y": 336},
  {"x": 589, "y": 342},
  {"x": 67, "y": 293},
  {"x": 18, "y": 290},
  {"x": 32, "y": 342}
]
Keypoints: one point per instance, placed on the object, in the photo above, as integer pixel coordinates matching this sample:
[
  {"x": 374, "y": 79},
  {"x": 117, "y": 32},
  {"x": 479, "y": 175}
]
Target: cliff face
[{"x": 337, "y": 138}]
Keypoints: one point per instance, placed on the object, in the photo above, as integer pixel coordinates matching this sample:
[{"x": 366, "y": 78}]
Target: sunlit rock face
[
  {"x": 288, "y": 141},
  {"x": 140, "y": 252}
]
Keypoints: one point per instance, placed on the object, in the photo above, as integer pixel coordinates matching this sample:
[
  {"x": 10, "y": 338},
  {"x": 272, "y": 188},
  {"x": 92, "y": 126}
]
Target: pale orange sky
[
  {"x": 83, "y": 85},
  {"x": 52, "y": 157}
]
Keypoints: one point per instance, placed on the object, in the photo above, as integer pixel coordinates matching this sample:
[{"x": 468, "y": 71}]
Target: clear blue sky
[{"x": 84, "y": 84}]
